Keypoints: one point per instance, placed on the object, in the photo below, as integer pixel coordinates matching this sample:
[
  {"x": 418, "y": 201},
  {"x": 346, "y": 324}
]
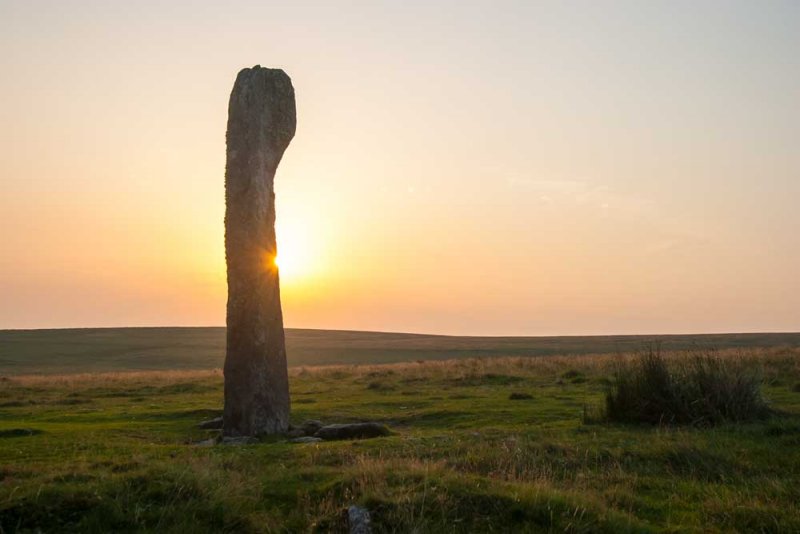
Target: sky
[{"x": 459, "y": 167}]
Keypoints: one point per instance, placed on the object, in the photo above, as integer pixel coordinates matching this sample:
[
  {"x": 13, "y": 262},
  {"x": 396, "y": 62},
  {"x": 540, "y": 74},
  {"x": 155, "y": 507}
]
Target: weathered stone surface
[
  {"x": 211, "y": 424},
  {"x": 311, "y": 426},
  {"x": 305, "y": 439},
  {"x": 352, "y": 431},
  {"x": 261, "y": 123},
  {"x": 358, "y": 520}
]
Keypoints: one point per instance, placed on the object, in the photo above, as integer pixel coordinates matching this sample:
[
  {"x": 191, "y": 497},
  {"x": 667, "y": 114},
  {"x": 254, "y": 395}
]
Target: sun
[
  {"x": 295, "y": 257},
  {"x": 287, "y": 263}
]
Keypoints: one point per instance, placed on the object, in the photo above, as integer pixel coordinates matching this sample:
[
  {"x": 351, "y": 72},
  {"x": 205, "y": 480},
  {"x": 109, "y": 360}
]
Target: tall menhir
[{"x": 261, "y": 123}]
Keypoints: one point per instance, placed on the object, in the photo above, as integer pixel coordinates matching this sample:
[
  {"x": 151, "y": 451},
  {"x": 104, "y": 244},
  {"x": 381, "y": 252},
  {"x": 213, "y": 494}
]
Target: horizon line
[{"x": 671, "y": 334}]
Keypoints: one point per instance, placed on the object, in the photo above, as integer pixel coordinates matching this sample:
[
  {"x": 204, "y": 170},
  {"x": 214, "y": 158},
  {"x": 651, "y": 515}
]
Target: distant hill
[{"x": 124, "y": 349}]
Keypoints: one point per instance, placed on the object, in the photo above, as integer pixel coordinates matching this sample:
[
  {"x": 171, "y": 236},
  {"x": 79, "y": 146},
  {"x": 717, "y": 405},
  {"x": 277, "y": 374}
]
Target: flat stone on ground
[{"x": 211, "y": 424}]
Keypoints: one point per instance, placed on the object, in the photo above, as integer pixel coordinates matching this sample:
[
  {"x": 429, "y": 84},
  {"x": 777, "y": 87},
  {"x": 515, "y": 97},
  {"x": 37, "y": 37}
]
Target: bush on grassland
[{"x": 702, "y": 390}]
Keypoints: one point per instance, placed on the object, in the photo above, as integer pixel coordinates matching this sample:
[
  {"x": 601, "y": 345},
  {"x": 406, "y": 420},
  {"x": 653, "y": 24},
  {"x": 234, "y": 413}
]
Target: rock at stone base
[
  {"x": 311, "y": 426},
  {"x": 352, "y": 431},
  {"x": 305, "y": 439},
  {"x": 211, "y": 424},
  {"x": 238, "y": 440},
  {"x": 205, "y": 443},
  {"x": 295, "y": 433},
  {"x": 358, "y": 520}
]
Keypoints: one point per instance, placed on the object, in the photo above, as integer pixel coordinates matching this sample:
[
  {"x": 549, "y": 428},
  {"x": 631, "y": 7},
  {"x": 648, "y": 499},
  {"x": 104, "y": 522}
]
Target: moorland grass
[{"x": 463, "y": 456}]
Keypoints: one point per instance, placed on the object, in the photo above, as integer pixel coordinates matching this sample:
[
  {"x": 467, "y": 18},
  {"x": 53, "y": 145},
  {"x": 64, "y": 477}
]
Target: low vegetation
[
  {"x": 117, "y": 452},
  {"x": 702, "y": 389}
]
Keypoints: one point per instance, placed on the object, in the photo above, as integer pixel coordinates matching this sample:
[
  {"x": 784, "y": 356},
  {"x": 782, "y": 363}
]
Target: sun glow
[
  {"x": 297, "y": 255},
  {"x": 290, "y": 262}
]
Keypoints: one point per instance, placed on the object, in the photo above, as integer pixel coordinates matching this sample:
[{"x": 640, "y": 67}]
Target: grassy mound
[{"x": 701, "y": 390}]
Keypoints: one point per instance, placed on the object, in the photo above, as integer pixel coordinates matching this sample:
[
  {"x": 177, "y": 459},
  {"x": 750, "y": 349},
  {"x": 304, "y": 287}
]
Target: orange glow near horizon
[{"x": 532, "y": 170}]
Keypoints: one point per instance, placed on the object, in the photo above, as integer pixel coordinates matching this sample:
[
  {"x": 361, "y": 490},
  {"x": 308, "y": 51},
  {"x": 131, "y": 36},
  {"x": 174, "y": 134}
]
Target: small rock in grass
[
  {"x": 358, "y": 520},
  {"x": 305, "y": 439},
  {"x": 239, "y": 440},
  {"x": 352, "y": 431},
  {"x": 295, "y": 433},
  {"x": 211, "y": 424},
  {"x": 205, "y": 443},
  {"x": 520, "y": 396}
]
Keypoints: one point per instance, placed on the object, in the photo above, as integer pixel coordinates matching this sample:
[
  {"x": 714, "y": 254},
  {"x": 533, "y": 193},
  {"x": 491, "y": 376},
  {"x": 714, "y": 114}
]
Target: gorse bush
[{"x": 702, "y": 390}]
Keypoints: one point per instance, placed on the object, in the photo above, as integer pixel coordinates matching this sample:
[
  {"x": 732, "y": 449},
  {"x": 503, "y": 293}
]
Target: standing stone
[{"x": 261, "y": 123}]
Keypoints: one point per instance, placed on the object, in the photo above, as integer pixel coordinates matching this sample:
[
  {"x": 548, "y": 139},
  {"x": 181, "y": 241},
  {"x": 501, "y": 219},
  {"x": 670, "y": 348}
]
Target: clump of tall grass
[{"x": 703, "y": 389}]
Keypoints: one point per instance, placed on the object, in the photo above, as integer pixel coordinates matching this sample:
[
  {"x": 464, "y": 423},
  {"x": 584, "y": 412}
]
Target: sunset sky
[{"x": 486, "y": 168}]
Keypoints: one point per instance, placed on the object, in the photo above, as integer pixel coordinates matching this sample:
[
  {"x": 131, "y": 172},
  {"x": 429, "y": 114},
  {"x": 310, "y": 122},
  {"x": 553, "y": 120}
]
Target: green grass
[
  {"x": 113, "y": 453},
  {"x": 124, "y": 349}
]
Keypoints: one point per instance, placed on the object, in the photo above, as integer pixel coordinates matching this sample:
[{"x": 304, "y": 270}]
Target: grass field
[
  {"x": 122, "y": 349},
  {"x": 114, "y": 452}
]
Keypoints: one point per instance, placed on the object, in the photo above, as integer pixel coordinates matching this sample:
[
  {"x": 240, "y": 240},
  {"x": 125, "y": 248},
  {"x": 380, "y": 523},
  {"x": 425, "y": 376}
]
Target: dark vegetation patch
[
  {"x": 63, "y": 401},
  {"x": 117, "y": 466},
  {"x": 10, "y": 472},
  {"x": 71, "y": 401},
  {"x": 151, "y": 391},
  {"x": 461, "y": 396},
  {"x": 461, "y": 505},
  {"x": 520, "y": 396},
  {"x": 486, "y": 379},
  {"x": 438, "y": 418},
  {"x": 19, "y": 432},
  {"x": 380, "y": 386},
  {"x": 693, "y": 462},
  {"x": 15, "y": 404},
  {"x": 782, "y": 428},
  {"x": 78, "y": 478},
  {"x": 381, "y": 373},
  {"x": 703, "y": 390},
  {"x": 132, "y": 503},
  {"x": 199, "y": 414},
  {"x": 752, "y": 517},
  {"x": 573, "y": 376},
  {"x": 413, "y": 380}
]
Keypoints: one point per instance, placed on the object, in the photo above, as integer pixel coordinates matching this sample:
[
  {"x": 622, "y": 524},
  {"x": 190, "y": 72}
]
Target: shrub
[{"x": 701, "y": 390}]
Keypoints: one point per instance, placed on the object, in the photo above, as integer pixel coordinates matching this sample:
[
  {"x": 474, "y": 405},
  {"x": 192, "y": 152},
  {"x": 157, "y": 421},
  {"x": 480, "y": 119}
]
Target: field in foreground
[
  {"x": 114, "y": 452},
  {"x": 91, "y": 350}
]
